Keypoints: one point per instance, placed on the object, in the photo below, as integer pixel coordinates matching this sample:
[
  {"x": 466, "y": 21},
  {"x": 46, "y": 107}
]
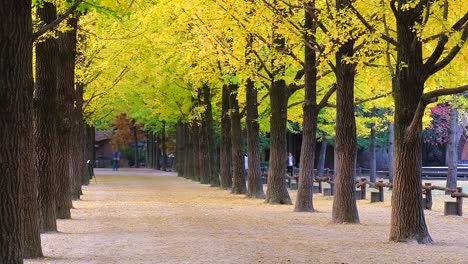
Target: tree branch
[
  {"x": 451, "y": 55},
  {"x": 430, "y": 67},
  {"x": 372, "y": 29},
  {"x": 326, "y": 97},
  {"x": 57, "y": 21}
]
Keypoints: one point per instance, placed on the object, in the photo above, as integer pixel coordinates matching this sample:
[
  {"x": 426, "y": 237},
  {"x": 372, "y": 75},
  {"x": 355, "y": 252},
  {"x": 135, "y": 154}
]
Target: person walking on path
[
  {"x": 291, "y": 162},
  {"x": 115, "y": 159}
]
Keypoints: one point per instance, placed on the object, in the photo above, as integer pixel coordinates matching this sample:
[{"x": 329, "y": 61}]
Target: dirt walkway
[{"x": 146, "y": 217}]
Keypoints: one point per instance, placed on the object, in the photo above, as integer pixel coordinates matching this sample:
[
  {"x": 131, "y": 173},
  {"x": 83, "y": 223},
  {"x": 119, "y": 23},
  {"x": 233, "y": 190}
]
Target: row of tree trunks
[
  {"x": 45, "y": 121},
  {"x": 209, "y": 126}
]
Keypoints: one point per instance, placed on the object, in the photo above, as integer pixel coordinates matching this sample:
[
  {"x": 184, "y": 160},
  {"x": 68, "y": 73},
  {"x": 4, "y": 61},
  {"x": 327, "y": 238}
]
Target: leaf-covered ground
[{"x": 147, "y": 217}]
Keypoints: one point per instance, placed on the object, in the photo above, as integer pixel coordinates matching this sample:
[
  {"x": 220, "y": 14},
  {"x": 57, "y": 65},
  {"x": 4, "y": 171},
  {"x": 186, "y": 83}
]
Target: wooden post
[
  {"x": 428, "y": 198},
  {"x": 320, "y": 186},
  {"x": 363, "y": 189},
  {"x": 381, "y": 192},
  {"x": 459, "y": 201}
]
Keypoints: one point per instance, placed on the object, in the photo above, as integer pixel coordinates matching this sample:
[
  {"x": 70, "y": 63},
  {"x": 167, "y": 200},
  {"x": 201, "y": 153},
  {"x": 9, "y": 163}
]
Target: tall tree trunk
[
  {"x": 255, "y": 186},
  {"x": 188, "y": 170},
  {"x": 196, "y": 152},
  {"x": 214, "y": 161},
  {"x": 225, "y": 155},
  {"x": 181, "y": 149},
  {"x": 66, "y": 86},
  {"x": 344, "y": 203},
  {"x": 372, "y": 159},
  {"x": 238, "y": 179},
  {"x": 304, "y": 200},
  {"x": 391, "y": 151},
  {"x": 163, "y": 146},
  {"x": 322, "y": 157},
  {"x": 16, "y": 90},
  {"x": 45, "y": 127},
  {"x": 407, "y": 221},
  {"x": 452, "y": 149},
  {"x": 276, "y": 190},
  {"x": 157, "y": 153},
  {"x": 135, "y": 142}
]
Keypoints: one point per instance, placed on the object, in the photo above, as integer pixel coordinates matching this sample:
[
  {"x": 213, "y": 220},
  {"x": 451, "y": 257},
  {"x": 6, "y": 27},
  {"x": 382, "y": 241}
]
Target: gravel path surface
[{"x": 142, "y": 216}]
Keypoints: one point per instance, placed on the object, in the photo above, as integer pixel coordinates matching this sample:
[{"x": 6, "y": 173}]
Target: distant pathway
[{"x": 144, "y": 216}]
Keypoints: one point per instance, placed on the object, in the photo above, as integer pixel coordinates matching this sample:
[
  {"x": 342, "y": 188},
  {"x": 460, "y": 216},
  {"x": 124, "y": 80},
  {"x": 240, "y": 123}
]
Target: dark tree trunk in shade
[
  {"x": 196, "y": 152},
  {"x": 344, "y": 203},
  {"x": 255, "y": 184},
  {"x": 76, "y": 158},
  {"x": 45, "y": 122},
  {"x": 66, "y": 85},
  {"x": 214, "y": 161},
  {"x": 276, "y": 190},
  {"x": 225, "y": 155},
  {"x": 452, "y": 149},
  {"x": 181, "y": 149},
  {"x": 238, "y": 174},
  {"x": 322, "y": 156},
  {"x": 372, "y": 159},
  {"x": 135, "y": 143},
  {"x": 157, "y": 153},
  {"x": 391, "y": 151},
  {"x": 163, "y": 146},
  {"x": 188, "y": 172},
  {"x": 203, "y": 155},
  {"x": 407, "y": 218},
  {"x": 304, "y": 200},
  {"x": 16, "y": 91}
]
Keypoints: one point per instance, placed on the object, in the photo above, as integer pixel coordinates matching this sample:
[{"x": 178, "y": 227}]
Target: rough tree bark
[
  {"x": 16, "y": 91},
  {"x": 344, "y": 203},
  {"x": 407, "y": 221},
  {"x": 225, "y": 155},
  {"x": 276, "y": 190},
  {"x": 66, "y": 82},
  {"x": 255, "y": 184},
  {"x": 238, "y": 179},
  {"x": 45, "y": 130},
  {"x": 452, "y": 149},
  {"x": 304, "y": 200}
]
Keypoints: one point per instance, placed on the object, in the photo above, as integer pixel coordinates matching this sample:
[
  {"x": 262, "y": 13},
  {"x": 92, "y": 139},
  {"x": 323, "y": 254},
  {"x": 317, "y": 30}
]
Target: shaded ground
[{"x": 158, "y": 218}]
